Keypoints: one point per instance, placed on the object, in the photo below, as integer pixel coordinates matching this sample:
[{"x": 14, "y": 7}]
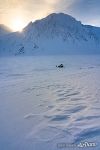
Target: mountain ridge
[{"x": 55, "y": 34}]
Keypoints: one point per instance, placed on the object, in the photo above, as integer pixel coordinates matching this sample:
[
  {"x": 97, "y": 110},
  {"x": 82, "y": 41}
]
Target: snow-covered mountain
[
  {"x": 4, "y": 30},
  {"x": 55, "y": 34}
]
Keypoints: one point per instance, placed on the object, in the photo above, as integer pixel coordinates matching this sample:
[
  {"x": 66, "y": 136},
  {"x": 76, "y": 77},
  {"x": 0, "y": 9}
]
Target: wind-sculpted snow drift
[
  {"x": 46, "y": 108},
  {"x": 55, "y": 34}
]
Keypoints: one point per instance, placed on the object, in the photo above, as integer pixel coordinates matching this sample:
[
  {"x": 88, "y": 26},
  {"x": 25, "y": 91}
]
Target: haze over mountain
[
  {"x": 55, "y": 34},
  {"x": 4, "y": 30}
]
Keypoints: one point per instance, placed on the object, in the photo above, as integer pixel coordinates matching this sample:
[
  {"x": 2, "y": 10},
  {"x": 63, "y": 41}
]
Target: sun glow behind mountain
[
  {"x": 17, "y": 24},
  {"x": 17, "y": 14}
]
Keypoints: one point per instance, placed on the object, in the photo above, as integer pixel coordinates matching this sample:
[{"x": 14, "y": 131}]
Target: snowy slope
[{"x": 55, "y": 34}]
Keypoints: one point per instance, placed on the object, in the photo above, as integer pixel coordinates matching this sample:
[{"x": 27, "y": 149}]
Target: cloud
[
  {"x": 28, "y": 9},
  {"x": 86, "y": 11}
]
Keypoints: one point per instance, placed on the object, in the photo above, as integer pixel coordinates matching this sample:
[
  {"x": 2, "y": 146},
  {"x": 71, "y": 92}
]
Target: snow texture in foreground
[{"x": 42, "y": 106}]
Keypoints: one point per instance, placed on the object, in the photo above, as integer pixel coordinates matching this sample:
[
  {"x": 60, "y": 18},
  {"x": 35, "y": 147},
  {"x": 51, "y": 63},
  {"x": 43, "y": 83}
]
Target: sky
[{"x": 18, "y": 13}]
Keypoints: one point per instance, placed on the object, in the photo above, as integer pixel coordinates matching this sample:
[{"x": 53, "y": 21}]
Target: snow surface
[{"x": 42, "y": 106}]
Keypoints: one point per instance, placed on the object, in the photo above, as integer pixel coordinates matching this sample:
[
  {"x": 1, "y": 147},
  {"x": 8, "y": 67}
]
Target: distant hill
[{"x": 4, "y": 30}]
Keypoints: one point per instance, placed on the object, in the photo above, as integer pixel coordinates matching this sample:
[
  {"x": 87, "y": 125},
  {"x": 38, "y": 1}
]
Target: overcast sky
[{"x": 87, "y": 11}]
